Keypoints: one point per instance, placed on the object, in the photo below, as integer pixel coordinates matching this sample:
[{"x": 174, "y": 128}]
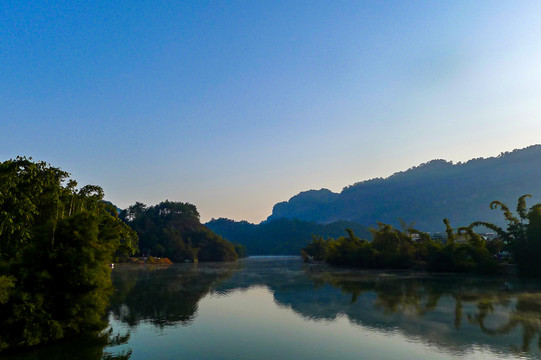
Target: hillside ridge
[{"x": 426, "y": 193}]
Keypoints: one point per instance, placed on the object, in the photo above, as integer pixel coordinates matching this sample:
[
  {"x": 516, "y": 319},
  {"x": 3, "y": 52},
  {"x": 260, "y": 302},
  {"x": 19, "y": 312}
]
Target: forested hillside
[
  {"x": 279, "y": 237},
  {"x": 172, "y": 229},
  {"x": 426, "y": 194}
]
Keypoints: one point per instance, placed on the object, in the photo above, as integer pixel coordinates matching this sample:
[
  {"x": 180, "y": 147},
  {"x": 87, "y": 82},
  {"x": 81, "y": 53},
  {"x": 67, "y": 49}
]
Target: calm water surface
[{"x": 280, "y": 308}]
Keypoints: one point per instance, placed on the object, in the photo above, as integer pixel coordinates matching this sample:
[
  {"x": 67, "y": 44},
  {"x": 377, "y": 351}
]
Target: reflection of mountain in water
[{"x": 452, "y": 312}]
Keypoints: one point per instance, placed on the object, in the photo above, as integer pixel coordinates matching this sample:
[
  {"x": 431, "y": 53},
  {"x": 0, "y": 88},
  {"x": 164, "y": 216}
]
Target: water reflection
[
  {"x": 89, "y": 347},
  {"x": 161, "y": 296},
  {"x": 164, "y": 296},
  {"x": 453, "y": 312},
  {"x": 487, "y": 311},
  {"x": 456, "y": 314}
]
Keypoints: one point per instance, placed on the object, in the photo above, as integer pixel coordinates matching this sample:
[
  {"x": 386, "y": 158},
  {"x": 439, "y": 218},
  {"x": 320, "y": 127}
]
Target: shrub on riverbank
[
  {"x": 392, "y": 248},
  {"x": 395, "y": 249}
]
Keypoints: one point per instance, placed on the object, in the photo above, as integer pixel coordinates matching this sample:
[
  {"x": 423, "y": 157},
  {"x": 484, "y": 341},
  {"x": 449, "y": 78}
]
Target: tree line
[
  {"x": 173, "y": 230},
  {"x": 57, "y": 241},
  {"x": 463, "y": 250},
  {"x": 280, "y": 236},
  {"x": 56, "y": 244}
]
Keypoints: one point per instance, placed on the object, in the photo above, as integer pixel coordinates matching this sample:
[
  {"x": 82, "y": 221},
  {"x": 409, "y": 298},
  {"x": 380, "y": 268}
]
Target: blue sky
[{"x": 237, "y": 105}]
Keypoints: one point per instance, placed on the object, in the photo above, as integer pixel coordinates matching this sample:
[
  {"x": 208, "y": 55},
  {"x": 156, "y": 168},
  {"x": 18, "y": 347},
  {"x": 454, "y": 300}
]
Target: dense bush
[
  {"x": 395, "y": 249},
  {"x": 522, "y": 237},
  {"x": 392, "y": 248}
]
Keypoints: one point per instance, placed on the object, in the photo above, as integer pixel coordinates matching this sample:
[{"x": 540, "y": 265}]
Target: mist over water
[{"x": 278, "y": 307}]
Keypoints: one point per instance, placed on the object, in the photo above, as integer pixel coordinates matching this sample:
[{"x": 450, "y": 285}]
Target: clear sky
[{"x": 237, "y": 105}]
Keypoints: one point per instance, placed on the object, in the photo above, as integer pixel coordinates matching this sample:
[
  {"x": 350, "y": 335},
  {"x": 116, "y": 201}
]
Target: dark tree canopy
[
  {"x": 462, "y": 251},
  {"x": 522, "y": 236},
  {"x": 172, "y": 229},
  {"x": 56, "y": 243},
  {"x": 392, "y": 248}
]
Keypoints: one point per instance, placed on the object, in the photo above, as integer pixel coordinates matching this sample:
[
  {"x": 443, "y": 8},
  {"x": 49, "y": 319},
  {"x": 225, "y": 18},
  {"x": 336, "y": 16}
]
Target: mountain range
[
  {"x": 426, "y": 194},
  {"x": 421, "y": 196},
  {"x": 280, "y": 236}
]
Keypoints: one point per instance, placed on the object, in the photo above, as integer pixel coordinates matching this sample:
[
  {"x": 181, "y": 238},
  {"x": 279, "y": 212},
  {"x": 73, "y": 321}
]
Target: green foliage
[
  {"x": 118, "y": 232},
  {"x": 351, "y": 251},
  {"x": 172, "y": 230},
  {"x": 29, "y": 193},
  {"x": 449, "y": 231},
  {"x": 467, "y": 255},
  {"x": 7, "y": 285},
  {"x": 522, "y": 237},
  {"x": 529, "y": 252},
  {"x": 463, "y": 251},
  {"x": 241, "y": 251},
  {"x": 395, "y": 248},
  {"x": 56, "y": 243},
  {"x": 315, "y": 250},
  {"x": 390, "y": 248},
  {"x": 410, "y": 248},
  {"x": 91, "y": 346},
  {"x": 521, "y": 206}
]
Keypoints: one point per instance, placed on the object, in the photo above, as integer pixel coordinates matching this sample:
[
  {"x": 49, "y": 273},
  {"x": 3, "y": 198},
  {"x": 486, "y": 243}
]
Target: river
[{"x": 280, "y": 308}]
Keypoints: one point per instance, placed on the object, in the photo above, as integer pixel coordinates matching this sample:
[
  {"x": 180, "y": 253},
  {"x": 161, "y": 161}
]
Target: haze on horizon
[{"x": 235, "y": 106}]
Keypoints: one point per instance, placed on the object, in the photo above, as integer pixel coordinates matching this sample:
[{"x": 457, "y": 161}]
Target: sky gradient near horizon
[{"x": 235, "y": 106}]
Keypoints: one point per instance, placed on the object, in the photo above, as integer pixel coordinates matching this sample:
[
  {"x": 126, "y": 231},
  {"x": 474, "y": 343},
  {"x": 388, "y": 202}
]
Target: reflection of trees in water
[
  {"x": 406, "y": 296},
  {"x": 86, "y": 347},
  {"x": 451, "y": 312},
  {"x": 409, "y": 298},
  {"x": 164, "y": 296},
  {"x": 526, "y": 314},
  {"x": 416, "y": 296},
  {"x": 116, "y": 340}
]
